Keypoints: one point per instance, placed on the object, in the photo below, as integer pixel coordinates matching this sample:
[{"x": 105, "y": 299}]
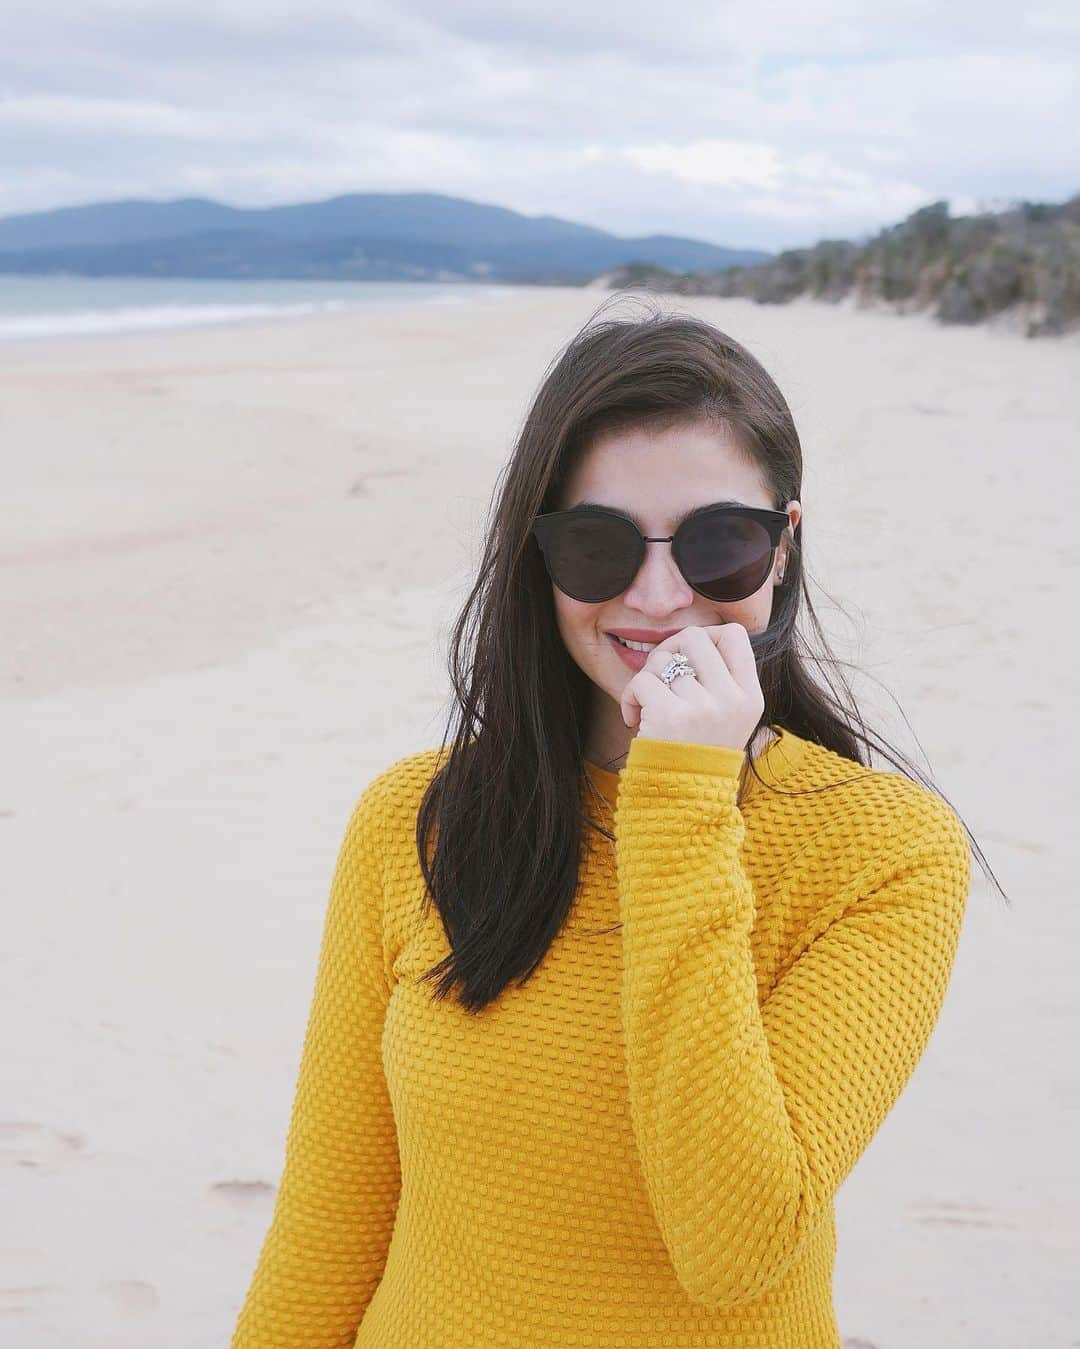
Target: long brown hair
[{"x": 505, "y": 805}]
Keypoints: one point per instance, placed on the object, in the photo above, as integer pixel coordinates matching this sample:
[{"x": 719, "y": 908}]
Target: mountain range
[{"x": 358, "y": 237}]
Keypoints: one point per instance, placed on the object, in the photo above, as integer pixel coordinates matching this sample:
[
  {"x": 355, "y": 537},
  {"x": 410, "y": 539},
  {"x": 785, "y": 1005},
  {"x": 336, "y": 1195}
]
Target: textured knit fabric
[{"x": 641, "y": 1146}]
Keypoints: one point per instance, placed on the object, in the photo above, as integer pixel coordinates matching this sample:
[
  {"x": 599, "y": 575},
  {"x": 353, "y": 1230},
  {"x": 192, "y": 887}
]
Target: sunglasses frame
[{"x": 545, "y": 527}]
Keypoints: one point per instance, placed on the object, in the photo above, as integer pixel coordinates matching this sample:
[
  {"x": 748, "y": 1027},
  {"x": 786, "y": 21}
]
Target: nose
[{"x": 659, "y": 586}]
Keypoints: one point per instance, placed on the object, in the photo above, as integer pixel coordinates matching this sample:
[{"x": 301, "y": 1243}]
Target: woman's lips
[{"x": 634, "y": 659}]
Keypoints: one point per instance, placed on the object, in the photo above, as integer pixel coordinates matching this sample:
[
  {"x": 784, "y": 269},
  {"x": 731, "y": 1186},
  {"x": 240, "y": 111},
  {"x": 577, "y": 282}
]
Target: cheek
[
  {"x": 564, "y": 614},
  {"x": 753, "y": 612},
  {"x": 576, "y": 621}
]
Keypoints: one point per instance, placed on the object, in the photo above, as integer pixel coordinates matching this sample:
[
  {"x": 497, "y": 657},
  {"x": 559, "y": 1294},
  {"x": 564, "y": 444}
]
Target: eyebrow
[{"x": 686, "y": 515}]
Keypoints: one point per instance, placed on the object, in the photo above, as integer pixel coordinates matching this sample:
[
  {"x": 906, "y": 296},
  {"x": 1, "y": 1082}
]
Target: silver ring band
[{"x": 677, "y": 665}]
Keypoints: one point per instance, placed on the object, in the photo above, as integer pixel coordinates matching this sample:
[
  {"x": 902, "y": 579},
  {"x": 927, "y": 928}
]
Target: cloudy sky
[{"x": 744, "y": 123}]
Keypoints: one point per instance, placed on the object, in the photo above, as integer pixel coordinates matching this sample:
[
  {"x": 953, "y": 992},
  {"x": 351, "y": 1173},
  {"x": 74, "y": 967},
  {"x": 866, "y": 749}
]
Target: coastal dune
[{"x": 229, "y": 562}]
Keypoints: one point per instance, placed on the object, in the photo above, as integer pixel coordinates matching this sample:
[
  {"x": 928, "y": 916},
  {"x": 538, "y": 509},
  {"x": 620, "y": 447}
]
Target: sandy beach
[{"x": 229, "y": 561}]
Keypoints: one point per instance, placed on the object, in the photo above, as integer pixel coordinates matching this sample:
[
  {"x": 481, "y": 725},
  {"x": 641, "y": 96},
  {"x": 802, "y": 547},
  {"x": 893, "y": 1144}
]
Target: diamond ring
[{"x": 677, "y": 665}]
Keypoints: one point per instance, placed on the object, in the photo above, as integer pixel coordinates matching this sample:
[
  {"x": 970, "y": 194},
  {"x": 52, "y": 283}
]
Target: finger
[
  {"x": 733, "y": 644},
  {"x": 633, "y": 701},
  {"x": 644, "y": 688},
  {"x": 698, "y": 646}
]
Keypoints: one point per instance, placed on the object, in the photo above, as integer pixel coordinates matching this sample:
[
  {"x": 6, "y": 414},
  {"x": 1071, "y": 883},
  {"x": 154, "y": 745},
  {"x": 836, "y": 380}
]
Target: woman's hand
[{"x": 721, "y": 706}]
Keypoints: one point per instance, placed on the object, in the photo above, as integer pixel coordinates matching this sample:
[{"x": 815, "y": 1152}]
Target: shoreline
[
  {"x": 164, "y": 319},
  {"x": 184, "y": 315}
]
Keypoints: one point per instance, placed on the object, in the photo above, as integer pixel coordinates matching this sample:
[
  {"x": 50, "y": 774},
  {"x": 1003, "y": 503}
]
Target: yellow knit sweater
[{"x": 641, "y": 1146}]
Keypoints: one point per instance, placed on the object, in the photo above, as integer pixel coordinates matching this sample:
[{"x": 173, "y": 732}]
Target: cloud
[
  {"x": 718, "y": 163},
  {"x": 778, "y": 188},
  {"x": 745, "y": 124}
]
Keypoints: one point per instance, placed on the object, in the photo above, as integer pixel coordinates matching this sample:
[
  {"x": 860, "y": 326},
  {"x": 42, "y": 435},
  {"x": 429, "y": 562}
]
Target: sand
[{"x": 213, "y": 638}]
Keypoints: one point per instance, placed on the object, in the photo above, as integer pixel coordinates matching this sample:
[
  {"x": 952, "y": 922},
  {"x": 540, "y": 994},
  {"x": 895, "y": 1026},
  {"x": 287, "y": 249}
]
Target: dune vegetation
[{"x": 1023, "y": 262}]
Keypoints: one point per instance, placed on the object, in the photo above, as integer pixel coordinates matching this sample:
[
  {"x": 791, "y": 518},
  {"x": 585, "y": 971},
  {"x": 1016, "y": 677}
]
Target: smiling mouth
[{"x": 633, "y": 646}]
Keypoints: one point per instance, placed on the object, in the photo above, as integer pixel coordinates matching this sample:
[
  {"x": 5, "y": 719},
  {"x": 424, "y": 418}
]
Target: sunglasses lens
[
  {"x": 725, "y": 557},
  {"x": 593, "y": 558}
]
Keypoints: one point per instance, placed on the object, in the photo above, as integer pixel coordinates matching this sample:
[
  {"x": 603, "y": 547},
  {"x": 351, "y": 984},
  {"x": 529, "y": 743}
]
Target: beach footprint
[
  {"x": 38, "y": 1147},
  {"x": 25, "y": 1299},
  {"x": 130, "y": 1297},
  {"x": 242, "y": 1196},
  {"x": 955, "y": 1213}
]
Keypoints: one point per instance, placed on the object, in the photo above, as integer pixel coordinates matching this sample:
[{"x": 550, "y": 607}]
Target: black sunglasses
[{"x": 724, "y": 552}]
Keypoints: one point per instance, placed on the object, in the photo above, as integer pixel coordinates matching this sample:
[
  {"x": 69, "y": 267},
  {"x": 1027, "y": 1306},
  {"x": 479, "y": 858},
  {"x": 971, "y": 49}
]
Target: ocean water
[{"x": 58, "y": 306}]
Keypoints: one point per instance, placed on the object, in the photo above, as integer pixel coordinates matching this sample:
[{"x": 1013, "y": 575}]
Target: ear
[
  {"x": 785, "y": 544},
  {"x": 781, "y": 560}
]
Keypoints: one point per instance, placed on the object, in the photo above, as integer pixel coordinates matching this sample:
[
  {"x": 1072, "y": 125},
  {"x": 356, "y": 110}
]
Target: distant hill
[
  {"x": 361, "y": 237},
  {"x": 1022, "y": 263}
]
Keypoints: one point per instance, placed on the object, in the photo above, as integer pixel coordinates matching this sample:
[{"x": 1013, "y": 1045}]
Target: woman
[{"x": 698, "y": 946}]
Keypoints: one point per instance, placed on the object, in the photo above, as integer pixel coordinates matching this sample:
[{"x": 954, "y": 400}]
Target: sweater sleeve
[
  {"x": 748, "y": 1116},
  {"x": 324, "y": 1253}
]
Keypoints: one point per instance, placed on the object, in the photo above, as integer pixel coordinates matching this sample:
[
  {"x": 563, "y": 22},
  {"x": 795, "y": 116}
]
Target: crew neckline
[{"x": 777, "y": 761}]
